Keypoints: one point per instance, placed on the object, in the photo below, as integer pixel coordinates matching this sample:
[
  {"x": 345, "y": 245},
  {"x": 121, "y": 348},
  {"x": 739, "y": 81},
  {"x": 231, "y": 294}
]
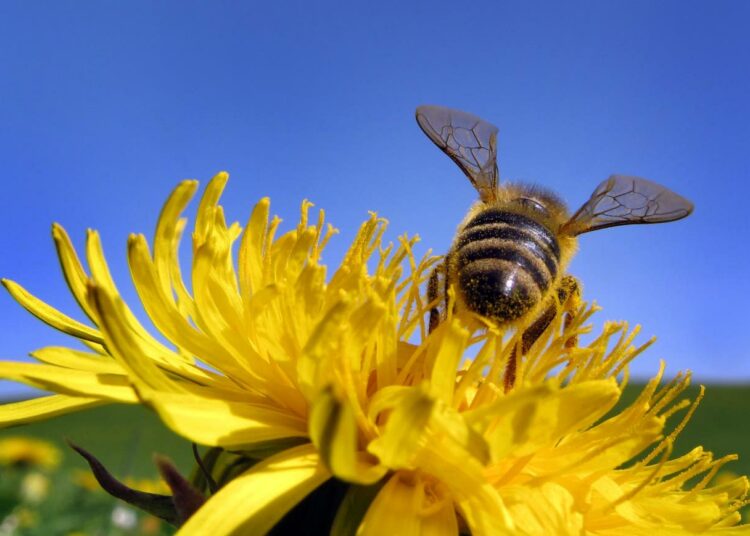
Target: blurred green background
[{"x": 123, "y": 437}]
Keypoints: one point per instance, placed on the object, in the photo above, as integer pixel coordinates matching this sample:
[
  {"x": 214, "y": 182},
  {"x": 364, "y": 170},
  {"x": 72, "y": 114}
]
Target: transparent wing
[
  {"x": 469, "y": 141},
  {"x": 623, "y": 200}
]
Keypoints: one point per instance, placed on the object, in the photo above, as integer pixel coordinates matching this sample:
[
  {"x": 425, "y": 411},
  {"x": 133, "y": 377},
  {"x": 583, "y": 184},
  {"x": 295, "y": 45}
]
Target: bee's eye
[{"x": 533, "y": 205}]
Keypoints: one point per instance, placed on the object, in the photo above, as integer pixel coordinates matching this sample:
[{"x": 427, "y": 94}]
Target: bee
[{"x": 509, "y": 256}]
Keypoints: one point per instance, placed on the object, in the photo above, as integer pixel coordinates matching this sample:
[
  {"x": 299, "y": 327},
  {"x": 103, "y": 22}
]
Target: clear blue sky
[{"x": 105, "y": 106}]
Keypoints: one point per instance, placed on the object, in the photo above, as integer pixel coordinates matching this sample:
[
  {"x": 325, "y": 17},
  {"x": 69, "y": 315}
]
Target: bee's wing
[
  {"x": 623, "y": 200},
  {"x": 469, "y": 141}
]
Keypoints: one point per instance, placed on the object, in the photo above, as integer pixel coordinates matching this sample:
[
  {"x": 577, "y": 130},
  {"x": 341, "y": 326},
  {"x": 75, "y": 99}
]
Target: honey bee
[{"x": 508, "y": 259}]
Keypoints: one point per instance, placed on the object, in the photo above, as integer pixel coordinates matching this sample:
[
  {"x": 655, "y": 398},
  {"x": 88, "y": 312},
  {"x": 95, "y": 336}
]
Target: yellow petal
[
  {"x": 456, "y": 457},
  {"x": 103, "y": 280},
  {"x": 168, "y": 227},
  {"x": 695, "y": 516},
  {"x": 76, "y": 359},
  {"x": 416, "y": 419},
  {"x": 44, "y": 407},
  {"x": 314, "y": 365},
  {"x": 169, "y": 320},
  {"x": 400, "y": 508},
  {"x": 208, "y": 205},
  {"x": 406, "y": 429},
  {"x": 147, "y": 362},
  {"x": 112, "y": 387},
  {"x": 73, "y": 270},
  {"x": 223, "y": 423},
  {"x": 51, "y": 316},
  {"x": 445, "y": 355},
  {"x": 524, "y": 420},
  {"x": 427, "y": 434},
  {"x": 548, "y": 509},
  {"x": 252, "y": 247},
  {"x": 255, "y": 501},
  {"x": 333, "y": 430},
  {"x": 125, "y": 346}
]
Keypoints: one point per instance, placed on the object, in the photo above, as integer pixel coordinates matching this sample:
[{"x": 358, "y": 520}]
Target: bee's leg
[
  {"x": 433, "y": 293},
  {"x": 567, "y": 301},
  {"x": 569, "y": 295},
  {"x": 510, "y": 368},
  {"x": 535, "y": 330}
]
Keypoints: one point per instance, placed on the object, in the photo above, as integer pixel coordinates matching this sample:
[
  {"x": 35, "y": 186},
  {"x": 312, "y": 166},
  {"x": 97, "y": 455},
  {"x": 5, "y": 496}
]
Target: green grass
[{"x": 123, "y": 437}]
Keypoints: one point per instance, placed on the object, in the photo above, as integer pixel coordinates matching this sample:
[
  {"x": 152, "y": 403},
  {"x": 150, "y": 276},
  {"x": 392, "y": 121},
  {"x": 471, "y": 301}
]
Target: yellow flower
[
  {"x": 25, "y": 451},
  {"x": 84, "y": 479},
  {"x": 318, "y": 375},
  {"x": 25, "y": 517},
  {"x": 34, "y": 487},
  {"x": 149, "y": 485}
]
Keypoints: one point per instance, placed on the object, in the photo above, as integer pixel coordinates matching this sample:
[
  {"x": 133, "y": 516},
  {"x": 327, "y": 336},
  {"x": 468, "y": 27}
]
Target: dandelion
[
  {"x": 34, "y": 488},
  {"x": 149, "y": 485},
  {"x": 84, "y": 479},
  {"x": 22, "y": 451},
  {"x": 299, "y": 380}
]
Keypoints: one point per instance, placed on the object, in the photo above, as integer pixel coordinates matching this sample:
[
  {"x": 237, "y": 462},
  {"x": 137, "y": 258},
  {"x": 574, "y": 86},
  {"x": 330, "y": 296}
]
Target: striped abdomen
[{"x": 505, "y": 263}]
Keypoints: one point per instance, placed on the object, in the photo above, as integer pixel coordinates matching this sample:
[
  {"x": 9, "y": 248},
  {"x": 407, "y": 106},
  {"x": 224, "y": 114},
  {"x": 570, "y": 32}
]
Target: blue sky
[{"x": 105, "y": 106}]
